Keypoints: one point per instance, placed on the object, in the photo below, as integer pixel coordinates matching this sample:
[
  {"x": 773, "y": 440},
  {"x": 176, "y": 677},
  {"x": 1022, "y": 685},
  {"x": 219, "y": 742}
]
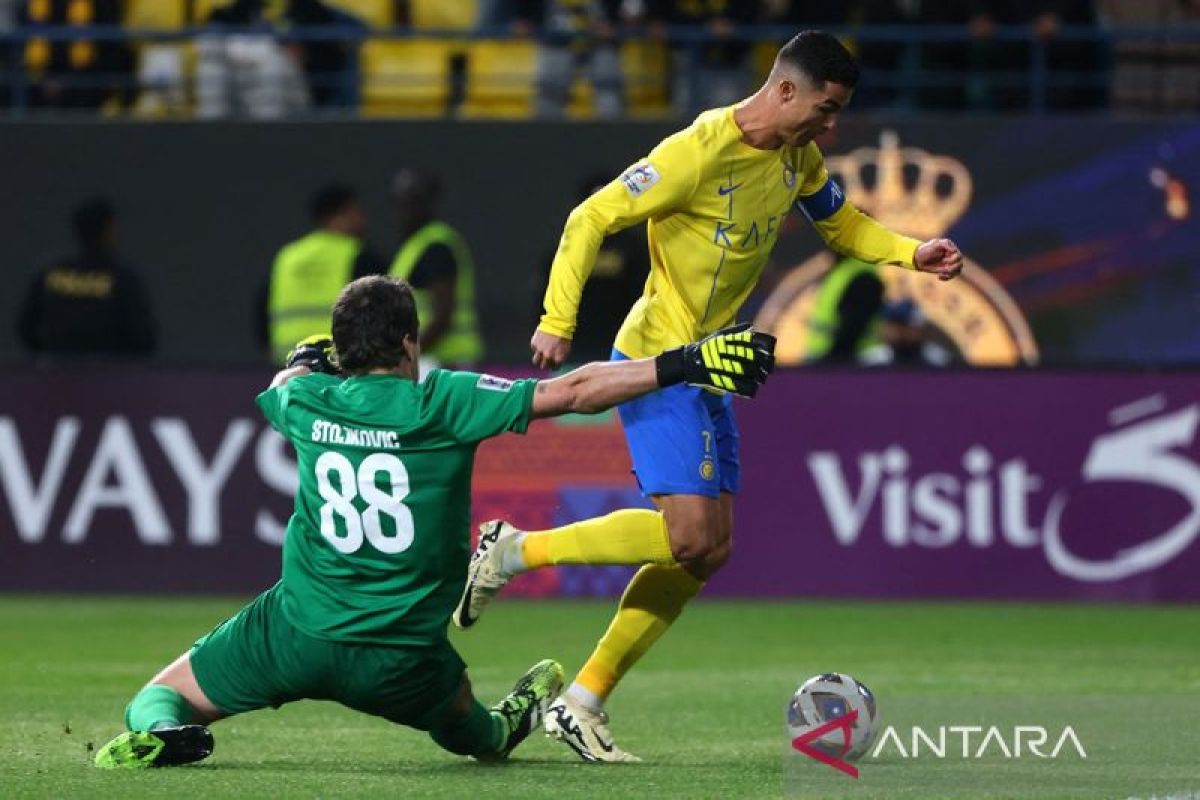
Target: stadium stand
[{"x": 406, "y": 77}]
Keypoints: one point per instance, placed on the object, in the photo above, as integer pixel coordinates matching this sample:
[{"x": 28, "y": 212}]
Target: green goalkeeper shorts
[{"x": 257, "y": 658}]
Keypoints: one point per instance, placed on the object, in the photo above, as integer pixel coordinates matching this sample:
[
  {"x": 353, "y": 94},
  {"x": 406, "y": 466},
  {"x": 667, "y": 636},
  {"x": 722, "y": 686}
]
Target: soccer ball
[{"x": 823, "y": 698}]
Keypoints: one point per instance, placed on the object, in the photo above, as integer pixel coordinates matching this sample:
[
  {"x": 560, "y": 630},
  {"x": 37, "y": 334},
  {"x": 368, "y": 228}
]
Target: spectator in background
[
  {"x": 802, "y": 14},
  {"x": 615, "y": 284},
  {"x": 915, "y": 74},
  {"x": 309, "y": 273},
  {"x": 906, "y": 340},
  {"x": 331, "y": 67},
  {"x": 496, "y": 13},
  {"x": 81, "y": 73},
  {"x": 716, "y": 73},
  {"x": 1155, "y": 75},
  {"x": 246, "y": 73},
  {"x": 436, "y": 261},
  {"x": 845, "y": 320},
  {"x": 1077, "y": 68},
  {"x": 999, "y": 67},
  {"x": 571, "y": 34},
  {"x": 88, "y": 304},
  {"x": 1073, "y": 66}
]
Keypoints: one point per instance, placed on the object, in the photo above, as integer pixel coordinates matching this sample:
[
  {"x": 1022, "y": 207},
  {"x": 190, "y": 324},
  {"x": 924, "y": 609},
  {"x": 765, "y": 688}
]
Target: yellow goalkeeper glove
[
  {"x": 317, "y": 353},
  {"x": 737, "y": 359}
]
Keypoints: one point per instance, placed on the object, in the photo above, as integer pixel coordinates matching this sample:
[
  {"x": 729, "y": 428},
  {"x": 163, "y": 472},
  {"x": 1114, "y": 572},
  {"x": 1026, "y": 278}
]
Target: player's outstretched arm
[
  {"x": 661, "y": 182},
  {"x": 736, "y": 359},
  {"x": 851, "y": 232}
]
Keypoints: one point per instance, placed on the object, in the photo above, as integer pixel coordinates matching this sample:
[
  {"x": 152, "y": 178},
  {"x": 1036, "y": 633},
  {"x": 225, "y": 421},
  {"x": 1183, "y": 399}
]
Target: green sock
[
  {"x": 157, "y": 706},
  {"x": 479, "y": 733}
]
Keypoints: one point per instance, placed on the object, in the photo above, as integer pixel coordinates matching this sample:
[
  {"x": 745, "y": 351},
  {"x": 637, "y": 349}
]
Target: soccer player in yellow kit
[{"x": 713, "y": 197}]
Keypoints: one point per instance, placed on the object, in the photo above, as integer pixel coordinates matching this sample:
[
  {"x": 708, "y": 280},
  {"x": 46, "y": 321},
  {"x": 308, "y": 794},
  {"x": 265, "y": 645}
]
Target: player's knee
[
  {"x": 719, "y": 555},
  {"x": 464, "y": 700},
  {"x": 704, "y": 568},
  {"x": 691, "y": 541},
  {"x": 688, "y": 551}
]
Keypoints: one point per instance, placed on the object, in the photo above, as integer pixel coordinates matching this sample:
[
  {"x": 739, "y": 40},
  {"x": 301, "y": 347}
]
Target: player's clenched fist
[
  {"x": 549, "y": 351},
  {"x": 316, "y": 353},
  {"x": 941, "y": 257},
  {"x": 737, "y": 359}
]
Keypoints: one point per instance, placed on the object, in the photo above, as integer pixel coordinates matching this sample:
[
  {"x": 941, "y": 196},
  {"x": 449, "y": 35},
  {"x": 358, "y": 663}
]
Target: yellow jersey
[{"x": 713, "y": 206}]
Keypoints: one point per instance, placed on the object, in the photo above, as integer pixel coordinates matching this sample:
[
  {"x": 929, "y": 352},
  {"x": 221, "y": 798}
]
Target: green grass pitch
[{"x": 705, "y": 709}]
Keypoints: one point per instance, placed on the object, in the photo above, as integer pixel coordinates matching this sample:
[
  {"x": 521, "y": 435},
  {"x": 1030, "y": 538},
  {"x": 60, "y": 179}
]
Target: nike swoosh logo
[
  {"x": 570, "y": 726},
  {"x": 724, "y": 190}
]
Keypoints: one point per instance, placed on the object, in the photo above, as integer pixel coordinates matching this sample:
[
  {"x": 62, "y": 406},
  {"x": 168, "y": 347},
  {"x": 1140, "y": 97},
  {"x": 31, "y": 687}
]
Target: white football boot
[
  {"x": 583, "y": 730},
  {"x": 485, "y": 576}
]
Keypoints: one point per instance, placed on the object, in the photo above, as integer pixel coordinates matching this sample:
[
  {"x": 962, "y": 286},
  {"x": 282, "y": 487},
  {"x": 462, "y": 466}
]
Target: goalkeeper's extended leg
[
  {"x": 629, "y": 536},
  {"x": 167, "y": 723},
  {"x": 491, "y": 734}
]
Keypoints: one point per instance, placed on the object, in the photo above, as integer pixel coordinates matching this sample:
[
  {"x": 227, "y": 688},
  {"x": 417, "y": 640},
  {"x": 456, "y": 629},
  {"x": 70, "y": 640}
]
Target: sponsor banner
[
  {"x": 855, "y": 484},
  {"x": 970, "y": 484}
]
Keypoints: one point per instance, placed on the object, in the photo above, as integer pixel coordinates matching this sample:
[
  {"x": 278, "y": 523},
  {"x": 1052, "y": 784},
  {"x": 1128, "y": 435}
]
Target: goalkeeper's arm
[
  {"x": 285, "y": 375},
  {"x": 312, "y": 354},
  {"x": 736, "y": 359}
]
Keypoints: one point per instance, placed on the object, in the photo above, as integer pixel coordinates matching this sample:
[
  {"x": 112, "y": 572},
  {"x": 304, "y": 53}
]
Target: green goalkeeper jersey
[{"x": 376, "y": 550}]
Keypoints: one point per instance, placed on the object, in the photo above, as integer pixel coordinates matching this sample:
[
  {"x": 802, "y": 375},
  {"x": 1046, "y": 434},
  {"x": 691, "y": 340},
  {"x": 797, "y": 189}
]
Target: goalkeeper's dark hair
[
  {"x": 821, "y": 57},
  {"x": 371, "y": 317},
  {"x": 331, "y": 199}
]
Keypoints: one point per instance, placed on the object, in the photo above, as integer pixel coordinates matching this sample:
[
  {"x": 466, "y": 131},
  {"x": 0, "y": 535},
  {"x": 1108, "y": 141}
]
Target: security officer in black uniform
[{"x": 89, "y": 304}]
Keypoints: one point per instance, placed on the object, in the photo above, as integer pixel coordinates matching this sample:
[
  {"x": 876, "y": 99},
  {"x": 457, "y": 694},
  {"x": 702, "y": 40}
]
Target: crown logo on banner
[{"x": 906, "y": 188}]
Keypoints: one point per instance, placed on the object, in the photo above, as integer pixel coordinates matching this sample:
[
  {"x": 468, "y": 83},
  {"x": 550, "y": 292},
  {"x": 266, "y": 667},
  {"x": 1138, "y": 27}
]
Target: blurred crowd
[{"x": 600, "y": 58}]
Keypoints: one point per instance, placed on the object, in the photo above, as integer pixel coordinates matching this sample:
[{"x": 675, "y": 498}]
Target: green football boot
[
  {"x": 525, "y": 706},
  {"x": 165, "y": 747}
]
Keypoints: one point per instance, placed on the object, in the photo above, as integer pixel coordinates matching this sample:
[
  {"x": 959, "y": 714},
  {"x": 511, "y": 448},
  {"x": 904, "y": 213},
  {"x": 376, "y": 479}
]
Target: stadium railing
[{"x": 424, "y": 72}]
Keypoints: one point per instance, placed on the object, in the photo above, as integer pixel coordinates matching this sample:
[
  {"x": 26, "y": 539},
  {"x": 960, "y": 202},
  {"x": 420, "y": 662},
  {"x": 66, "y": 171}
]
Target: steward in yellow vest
[
  {"x": 309, "y": 273},
  {"x": 436, "y": 261},
  {"x": 845, "y": 321}
]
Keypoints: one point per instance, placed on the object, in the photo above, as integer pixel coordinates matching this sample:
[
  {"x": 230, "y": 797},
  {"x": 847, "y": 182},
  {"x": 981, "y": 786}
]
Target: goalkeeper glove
[
  {"x": 735, "y": 359},
  {"x": 316, "y": 353}
]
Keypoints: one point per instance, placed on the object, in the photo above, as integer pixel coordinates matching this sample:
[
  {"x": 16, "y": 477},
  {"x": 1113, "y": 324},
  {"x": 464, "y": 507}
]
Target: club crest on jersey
[
  {"x": 639, "y": 178},
  {"x": 492, "y": 383},
  {"x": 789, "y": 177}
]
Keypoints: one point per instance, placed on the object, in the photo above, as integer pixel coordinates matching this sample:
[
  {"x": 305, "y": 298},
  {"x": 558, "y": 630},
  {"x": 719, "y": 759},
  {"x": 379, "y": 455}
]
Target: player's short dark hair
[
  {"x": 331, "y": 199},
  {"x": 371, "y": 317},
  {"x": 821, "y": 57},
  {"x": 91, "y": 219}
]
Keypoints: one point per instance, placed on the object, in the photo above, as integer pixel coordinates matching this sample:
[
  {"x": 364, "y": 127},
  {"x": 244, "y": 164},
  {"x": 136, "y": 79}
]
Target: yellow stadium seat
[
  {"x": 501, "y": 79},
  {"x": 405, "y": 77},
  {"x": 443, "y": 14},
  {"x": 646, "y": 66},
  {"x": 155, "y": 14},
  {"x": 762, "y": 58},
  {"x": 376, "y": 13}
]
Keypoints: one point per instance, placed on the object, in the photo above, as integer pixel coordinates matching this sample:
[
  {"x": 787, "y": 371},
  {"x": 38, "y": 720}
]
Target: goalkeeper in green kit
[{"x": 376, "y": 552}]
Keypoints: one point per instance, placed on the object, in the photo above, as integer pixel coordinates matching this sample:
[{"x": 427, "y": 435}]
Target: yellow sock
[
  {"x": 629, "y": 536},
  {"x": 652, "y": 601}
]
